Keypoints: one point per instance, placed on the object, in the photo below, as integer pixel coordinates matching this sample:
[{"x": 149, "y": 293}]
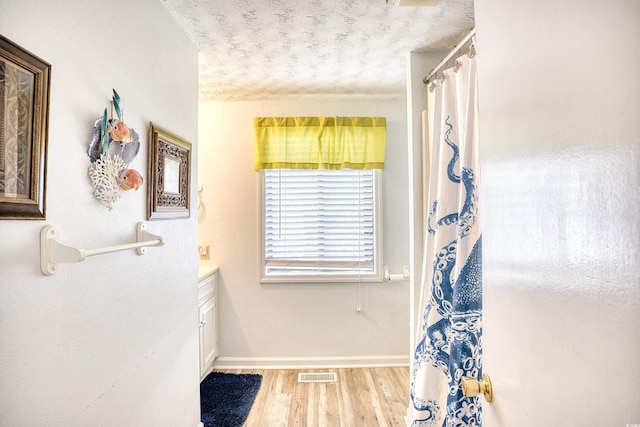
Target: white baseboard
[
  {"x": 309, "y": 362},
  {"x": 200, "y": 425}
]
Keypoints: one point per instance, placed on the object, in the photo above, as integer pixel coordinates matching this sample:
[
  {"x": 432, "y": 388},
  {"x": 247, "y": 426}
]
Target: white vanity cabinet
[{"x": 208, "y": 318}]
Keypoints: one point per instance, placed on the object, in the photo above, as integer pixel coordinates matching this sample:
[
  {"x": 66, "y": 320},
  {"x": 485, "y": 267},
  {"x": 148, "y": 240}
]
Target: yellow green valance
[{"x": 319, "y": 142}]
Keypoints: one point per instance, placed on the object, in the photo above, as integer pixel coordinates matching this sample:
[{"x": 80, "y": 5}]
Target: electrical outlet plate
[{"x": 203, "y": 251}]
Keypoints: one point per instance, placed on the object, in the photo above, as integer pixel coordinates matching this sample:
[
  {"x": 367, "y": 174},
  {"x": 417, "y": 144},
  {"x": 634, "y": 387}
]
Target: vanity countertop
[{"x": 205, "y": 270}]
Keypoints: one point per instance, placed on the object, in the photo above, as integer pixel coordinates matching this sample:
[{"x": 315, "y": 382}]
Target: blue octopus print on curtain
[{"x": 449, "y": 336}]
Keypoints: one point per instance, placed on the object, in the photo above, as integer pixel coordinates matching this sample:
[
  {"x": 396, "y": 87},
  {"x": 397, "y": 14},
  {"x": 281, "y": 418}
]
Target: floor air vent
[{"x": 319, "y": 377}]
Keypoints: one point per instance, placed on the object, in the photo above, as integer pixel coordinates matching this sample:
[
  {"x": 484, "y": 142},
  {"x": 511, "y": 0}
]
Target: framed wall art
[
  {"x": 169, "y": 175},
  {"x": 24, "y": 117}
]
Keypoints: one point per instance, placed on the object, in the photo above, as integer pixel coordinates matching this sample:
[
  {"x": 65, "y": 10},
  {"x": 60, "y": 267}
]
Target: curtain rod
[{"x": 455, "y": 49}]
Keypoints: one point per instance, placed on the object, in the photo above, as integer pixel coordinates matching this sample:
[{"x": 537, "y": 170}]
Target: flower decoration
[{"x": 109, "y": 171}]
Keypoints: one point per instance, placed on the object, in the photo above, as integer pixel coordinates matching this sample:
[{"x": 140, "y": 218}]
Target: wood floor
[{"x": 362, "y": 397}]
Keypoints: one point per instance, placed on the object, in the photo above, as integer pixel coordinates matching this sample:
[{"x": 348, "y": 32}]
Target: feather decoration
[
  {"x": 130, "y": 150},
  {"x": 104, "y": 134},
  {"x": 117, "y": 104},
  {"x": 95, "y": 147}
]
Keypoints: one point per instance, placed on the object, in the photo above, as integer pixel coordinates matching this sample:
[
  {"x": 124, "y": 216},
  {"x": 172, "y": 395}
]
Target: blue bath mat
[{"x": 226, "y": 399}]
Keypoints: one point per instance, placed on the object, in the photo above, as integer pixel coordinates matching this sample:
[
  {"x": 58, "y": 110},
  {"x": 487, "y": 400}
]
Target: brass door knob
[{"x": 472, "y": 387}]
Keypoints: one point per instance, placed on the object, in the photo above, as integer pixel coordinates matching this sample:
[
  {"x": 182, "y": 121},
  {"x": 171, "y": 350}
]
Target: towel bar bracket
[
  {"x": 53, "y": 252},
  {"x": 394, "y": 277}
]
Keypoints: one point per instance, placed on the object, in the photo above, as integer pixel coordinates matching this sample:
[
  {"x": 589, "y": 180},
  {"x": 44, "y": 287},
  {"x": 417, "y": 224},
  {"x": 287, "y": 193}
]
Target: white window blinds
[{"x": 319, "y": 222}]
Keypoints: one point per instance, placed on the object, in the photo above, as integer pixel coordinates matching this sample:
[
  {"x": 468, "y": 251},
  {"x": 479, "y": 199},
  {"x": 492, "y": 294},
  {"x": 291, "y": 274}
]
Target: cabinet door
[{"x": 208, "y": 338}]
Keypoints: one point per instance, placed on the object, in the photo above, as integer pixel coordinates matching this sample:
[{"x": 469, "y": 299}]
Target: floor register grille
[{"x": 317, "y": 377}]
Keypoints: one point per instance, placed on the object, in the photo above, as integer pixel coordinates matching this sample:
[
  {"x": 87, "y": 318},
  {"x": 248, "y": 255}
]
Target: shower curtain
[{"x": 448, "y": 341}]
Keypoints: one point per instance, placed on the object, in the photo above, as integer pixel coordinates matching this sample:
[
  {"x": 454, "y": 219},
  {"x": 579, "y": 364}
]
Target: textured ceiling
[{"x": 269, "y": 49}]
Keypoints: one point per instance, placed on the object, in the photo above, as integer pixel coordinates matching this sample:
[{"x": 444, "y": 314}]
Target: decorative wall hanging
[
  {"x": 110, "y": 173},
  {"x": 24, "y": 117},
  {"x": 169, "y": 175}
]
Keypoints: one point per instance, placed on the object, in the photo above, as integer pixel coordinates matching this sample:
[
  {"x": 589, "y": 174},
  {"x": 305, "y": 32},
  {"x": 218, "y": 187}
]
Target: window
[
  {"x": 320, "y": 225},
  {"x": 320, "y": 197}
]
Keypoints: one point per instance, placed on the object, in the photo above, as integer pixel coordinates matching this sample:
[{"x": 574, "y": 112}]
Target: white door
[{"x": 560, "y": 161}]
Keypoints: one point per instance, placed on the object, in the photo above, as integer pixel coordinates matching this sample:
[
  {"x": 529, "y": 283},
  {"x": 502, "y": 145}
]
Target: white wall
[
  {"x": 419, "y": 64},
  {"x": 560, "y": 154},
  {"x": 110, "y": 341},
  {"x": 288, "y": 324}
]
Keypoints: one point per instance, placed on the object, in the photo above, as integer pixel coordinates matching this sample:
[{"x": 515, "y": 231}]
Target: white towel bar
[{"x": 52, "y": 252}]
